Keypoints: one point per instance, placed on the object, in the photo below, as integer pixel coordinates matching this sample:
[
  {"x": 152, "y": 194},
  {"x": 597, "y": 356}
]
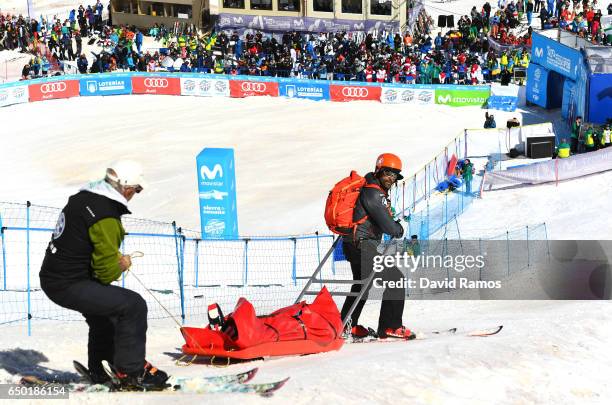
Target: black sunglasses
[{"x": 390, "y": 173}]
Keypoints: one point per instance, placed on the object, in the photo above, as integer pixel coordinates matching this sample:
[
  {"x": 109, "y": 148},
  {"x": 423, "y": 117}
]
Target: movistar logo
[
  {"x": 444, "y": 99},
  {"x": 206, "y": 173},
  {"x": 450, "y": 99},
  {"x": 539, "y": 52}
]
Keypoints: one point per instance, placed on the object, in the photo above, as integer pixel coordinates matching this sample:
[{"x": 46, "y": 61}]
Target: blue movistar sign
[
  {"x": 552, "y": 55},
  {"x": 217, "y": 193}
]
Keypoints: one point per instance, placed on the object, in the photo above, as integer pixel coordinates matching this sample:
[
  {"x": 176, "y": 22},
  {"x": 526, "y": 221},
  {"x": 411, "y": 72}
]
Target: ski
[
  {"x": 447, "y": 331},
  {"x": 453, "y": 331},
  {"x": 233, "y": 383},
  {"x": 373, "y": 337},
  {"x": 83, "y": 372},
  {"x": 198, "y": 385},
  {"x": 239, "y": 378},
  {"x": 486, "y": 332},
  {"x": 110, "y": 371},
  {"x": 30, "y": 381}
]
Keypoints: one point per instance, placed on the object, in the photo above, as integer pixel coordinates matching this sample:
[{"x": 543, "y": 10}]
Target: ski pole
[
  {"x": 140, "y": 254},
  {"x": 136, "y": 254}
]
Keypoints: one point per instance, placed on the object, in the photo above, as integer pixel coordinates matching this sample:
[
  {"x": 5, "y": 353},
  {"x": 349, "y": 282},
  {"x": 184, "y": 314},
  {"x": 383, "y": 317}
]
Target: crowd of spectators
[
  {"x": 580, "y": 17},
  {"x": 50, "y": 41},
  {"x": 487, "y": 45},
  {"x": 462, "y": 56}
]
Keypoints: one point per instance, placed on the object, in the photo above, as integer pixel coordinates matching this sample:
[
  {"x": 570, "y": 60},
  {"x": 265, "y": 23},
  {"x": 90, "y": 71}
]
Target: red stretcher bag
[{"x": 297, "y": 329}]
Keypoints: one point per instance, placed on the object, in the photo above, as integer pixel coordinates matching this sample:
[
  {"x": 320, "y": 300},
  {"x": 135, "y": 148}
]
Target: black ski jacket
[{"x": 374, "y": 203}]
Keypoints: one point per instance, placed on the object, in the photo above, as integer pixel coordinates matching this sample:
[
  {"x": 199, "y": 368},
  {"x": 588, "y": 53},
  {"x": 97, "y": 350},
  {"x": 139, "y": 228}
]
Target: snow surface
[
  {"x": 289, "y": 153},
  {"x": 571, "y": 209},
  {"x": 549, "y": 352}
]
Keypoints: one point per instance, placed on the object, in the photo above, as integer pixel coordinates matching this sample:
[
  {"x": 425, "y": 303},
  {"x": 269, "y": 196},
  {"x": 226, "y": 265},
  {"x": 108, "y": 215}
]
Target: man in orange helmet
[{"x": 372, "y": 212}]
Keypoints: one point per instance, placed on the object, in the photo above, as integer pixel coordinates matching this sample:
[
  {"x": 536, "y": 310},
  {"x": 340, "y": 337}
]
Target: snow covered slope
[
  {"x": 575, "y": 209},
  {"x": 549, "y": 352},
  {"x": 289, "y": 153}
]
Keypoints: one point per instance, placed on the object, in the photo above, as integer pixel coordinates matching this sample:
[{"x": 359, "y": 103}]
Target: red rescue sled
[{"x": 295, "y": 330}]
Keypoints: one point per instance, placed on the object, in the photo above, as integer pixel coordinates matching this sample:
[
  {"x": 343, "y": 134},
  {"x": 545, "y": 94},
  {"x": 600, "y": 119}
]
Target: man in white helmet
[{"x": 83, "y": 259}]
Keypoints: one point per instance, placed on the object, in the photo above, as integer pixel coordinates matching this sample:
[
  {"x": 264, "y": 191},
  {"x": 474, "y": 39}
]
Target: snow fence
[
  {"x": 551, "y": 170},
  {"x": 182, "y": 271}
]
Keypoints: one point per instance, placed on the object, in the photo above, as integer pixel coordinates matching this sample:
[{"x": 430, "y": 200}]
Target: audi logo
[
  {"x": 254, "y": 87},
  {"x": 189, "y": 85},
  {"x": 205, "y": 86},
  {"x": 220, "y": 86},
  {"x": 357, "y": 92},
  {"x": 52, "y": 87},
  {"x": 156, "y": 83},
  {"x": 407, "y": 95}
]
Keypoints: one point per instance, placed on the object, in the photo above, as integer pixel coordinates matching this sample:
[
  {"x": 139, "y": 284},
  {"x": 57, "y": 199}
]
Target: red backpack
[{"x": 341, "y": 203}]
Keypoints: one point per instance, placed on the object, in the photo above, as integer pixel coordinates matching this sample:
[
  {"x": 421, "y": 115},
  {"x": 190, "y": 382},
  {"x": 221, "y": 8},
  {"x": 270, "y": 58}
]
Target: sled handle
[{"x": 318, "y": 269}]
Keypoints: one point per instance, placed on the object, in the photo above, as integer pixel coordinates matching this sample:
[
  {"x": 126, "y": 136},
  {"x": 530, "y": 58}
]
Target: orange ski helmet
[{"x": 390, "y": 161}]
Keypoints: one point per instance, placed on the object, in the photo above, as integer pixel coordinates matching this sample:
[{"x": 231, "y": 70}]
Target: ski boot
[
  {"x": 400, "y": 333},
  {"x": 149, "y": 379},
  {"x": 356, "y": 333}
]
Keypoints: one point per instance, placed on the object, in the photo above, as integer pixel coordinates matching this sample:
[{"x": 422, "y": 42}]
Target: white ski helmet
[{"x": 126, "y": 173}]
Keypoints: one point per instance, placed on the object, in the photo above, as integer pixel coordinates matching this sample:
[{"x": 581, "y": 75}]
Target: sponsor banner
[
  {"x": 600, "y": 98},
  {"x": 498, "y": 46},
  {"x": 537, "y": 84},
  {"x": 217, "y": 193},
  {"x": 53, "y": 90},
  {"x": 354, "y": 93},
  {"x": 247, "y": 88},
  {"x": 503, "y": 103},
  {"x": 205, "y": 87},
  {"x": 463, "y": 96},
  {"x": 304, "y": 24},
  {"x": 156, "y": 85},
  {"x": 407, "y": 95},
  {"x": 13, "y": 95},
  {"x": 552, "y": 55},
  {"x": 308, "y": 90},
  {"x": 106, "y": 86}
]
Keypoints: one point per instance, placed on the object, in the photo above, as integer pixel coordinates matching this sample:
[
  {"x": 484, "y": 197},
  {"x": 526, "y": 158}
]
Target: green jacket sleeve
[{"x": 106, "y": 236}]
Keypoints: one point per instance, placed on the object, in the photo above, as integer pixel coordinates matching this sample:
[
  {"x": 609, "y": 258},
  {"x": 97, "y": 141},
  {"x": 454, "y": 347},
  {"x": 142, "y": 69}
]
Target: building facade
[
  {"x": 269, "y": 15},
  {"x": 145, "y": 13},
  {"x": 328, "y": 15}
]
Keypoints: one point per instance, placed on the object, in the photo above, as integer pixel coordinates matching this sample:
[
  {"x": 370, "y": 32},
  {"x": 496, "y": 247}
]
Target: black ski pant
[
  {"x": 362, "y": 263},
  {"x": 117, "y": 319},
  {"x": 574, "y": 145}
]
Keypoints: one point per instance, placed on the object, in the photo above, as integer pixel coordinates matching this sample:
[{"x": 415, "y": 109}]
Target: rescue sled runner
[{"x": 294, "y": 330}]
